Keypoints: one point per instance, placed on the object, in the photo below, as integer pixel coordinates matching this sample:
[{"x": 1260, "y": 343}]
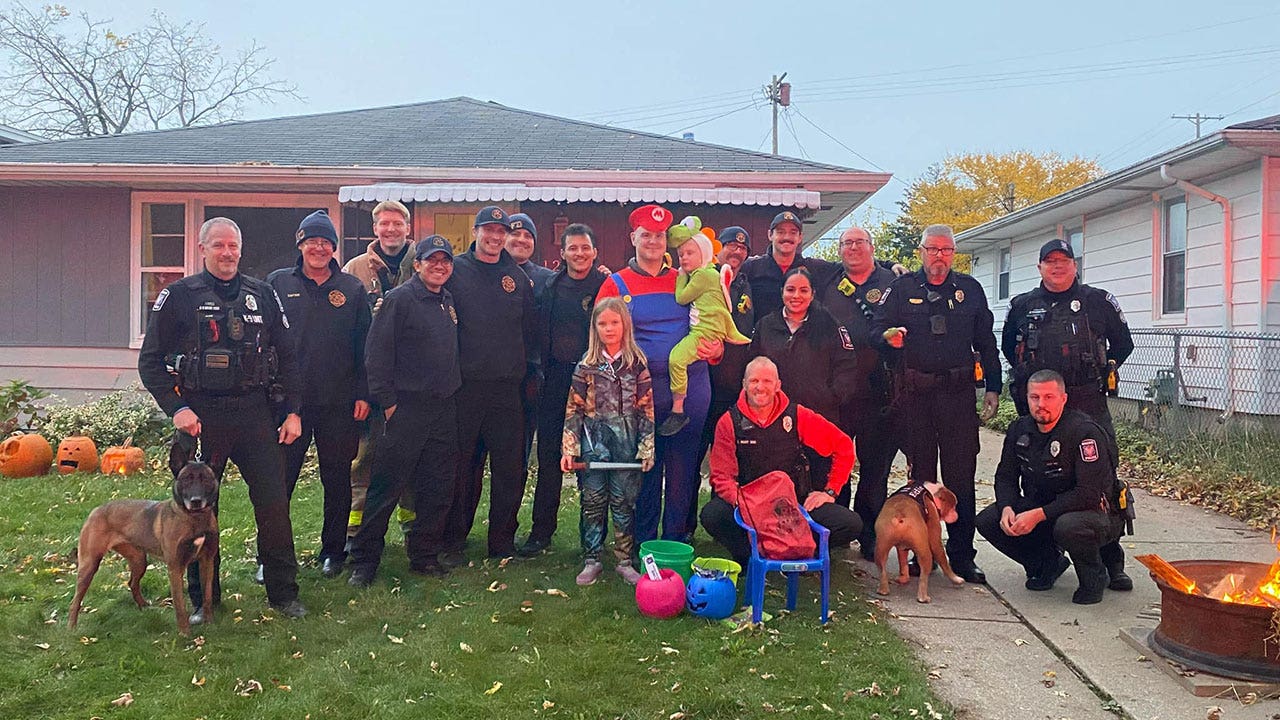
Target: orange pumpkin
[
  {"x": 123, "y": 460},
  {"x": 77, "y": 454},
  {"x": 25, "y": 456}
]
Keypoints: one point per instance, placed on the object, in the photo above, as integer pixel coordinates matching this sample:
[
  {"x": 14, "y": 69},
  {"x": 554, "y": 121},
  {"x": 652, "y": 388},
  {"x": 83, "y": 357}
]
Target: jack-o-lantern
[
  {"x": 123, "y": 460},
  {"x": 711, "y": 595},
  {"x": 77, "y": 454},
  {"x": 25, "y": 456},
  {"x": 661, "y": 598}
]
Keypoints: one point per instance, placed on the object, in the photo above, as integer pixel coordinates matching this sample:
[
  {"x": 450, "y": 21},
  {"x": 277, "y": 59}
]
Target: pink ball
[{"x": 661, "y": 598}]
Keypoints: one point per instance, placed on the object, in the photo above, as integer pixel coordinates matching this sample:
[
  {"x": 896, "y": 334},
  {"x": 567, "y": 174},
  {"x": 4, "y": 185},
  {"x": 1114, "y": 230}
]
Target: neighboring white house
[{"x": 1189, "y": 243}]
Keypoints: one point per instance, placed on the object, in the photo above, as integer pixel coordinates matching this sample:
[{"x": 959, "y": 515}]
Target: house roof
[
  {"x": 9, "y": 135},
  {"x": 1199, "y": 159},
  {"x": 455, "y": 133}
]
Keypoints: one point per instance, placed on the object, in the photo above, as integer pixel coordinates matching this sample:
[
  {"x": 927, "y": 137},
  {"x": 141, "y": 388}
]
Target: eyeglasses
[
  {"x": 936, "y": 251},
  {"x": 313, "y": 242},
  {"x": 854, "y": 242}
]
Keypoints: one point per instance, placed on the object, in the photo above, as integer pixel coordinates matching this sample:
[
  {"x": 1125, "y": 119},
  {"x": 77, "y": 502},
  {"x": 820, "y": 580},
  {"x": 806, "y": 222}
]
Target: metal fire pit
[{"x": 1228, "y": 639}]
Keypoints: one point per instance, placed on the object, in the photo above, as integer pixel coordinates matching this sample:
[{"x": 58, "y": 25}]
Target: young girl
[{"x": 609, "y": 418}]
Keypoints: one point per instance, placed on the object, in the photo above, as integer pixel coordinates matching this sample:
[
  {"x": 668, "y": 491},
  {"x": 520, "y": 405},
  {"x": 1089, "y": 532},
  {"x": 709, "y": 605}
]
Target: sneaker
[
  {"x": 674, "y": 423},
  {"x": 292, "y": 609},
  {"x": 628, "y": 574},
  {"x": 590, "y": 572}
]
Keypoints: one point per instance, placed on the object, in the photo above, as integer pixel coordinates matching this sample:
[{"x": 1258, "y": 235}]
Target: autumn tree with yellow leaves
[{"x": 964, "y": 191}]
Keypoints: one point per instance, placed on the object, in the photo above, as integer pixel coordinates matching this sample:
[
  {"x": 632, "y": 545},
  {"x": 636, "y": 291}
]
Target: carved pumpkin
[
  {"x": 77, "y": 454},
  {"x": 711, "y": 595},
  {"x": 25, "y": 456},
  {"x": 123, "y": 460}
]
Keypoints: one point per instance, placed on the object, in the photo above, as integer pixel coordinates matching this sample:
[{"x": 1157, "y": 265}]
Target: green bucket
[
  {"x": 728, "y": 567},
  {"x": 670, "y": 554}
]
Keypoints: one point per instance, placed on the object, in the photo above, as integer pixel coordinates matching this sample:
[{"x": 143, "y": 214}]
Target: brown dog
[
  {"x": 911, "y": 519},
  {"x": 182, "y": 530}
]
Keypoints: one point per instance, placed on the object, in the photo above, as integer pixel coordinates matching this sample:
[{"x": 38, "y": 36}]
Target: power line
[
  {"x": 786, "y": 117},
  {"x": 713, "y": 118},
  {"x": 837, "y": 141}
]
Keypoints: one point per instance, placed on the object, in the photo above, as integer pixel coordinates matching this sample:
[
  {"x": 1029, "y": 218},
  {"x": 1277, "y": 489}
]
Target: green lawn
[{"x": 488, "y": 641}]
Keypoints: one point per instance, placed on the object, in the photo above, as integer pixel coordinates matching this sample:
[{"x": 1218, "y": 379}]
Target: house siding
[
  {"x": 1270, "y": 218},
  {"x": 64, "y": 267}
]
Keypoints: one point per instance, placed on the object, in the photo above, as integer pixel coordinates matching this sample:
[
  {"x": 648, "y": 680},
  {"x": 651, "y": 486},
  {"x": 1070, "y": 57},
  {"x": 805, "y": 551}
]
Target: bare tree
[{"x": 74, "y": 77}]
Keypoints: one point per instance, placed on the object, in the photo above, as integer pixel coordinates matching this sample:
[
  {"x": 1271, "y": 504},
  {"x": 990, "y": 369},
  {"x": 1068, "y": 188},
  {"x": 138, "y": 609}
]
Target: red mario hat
[{"x": 653, "y": 218}]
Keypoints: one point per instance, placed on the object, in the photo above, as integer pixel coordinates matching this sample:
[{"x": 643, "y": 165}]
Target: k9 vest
[{"x": 229, "y": 349}]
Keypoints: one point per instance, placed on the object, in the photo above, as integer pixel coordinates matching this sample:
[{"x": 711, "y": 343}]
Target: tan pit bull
[{"x": 911, "y": 519}]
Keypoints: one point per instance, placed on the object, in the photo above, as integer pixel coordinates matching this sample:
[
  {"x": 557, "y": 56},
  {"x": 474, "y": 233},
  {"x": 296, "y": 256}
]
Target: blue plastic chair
[{"x": 758, "y": 566}]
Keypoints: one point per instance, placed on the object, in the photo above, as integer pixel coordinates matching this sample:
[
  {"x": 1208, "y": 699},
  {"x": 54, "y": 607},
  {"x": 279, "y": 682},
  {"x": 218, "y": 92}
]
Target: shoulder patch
[
  {"x": 1089, "y": 450},
  {"x": 1116, "y": 304},
  {"x": 164, "y": 295},
  {"x": 885, "y": 296},
  {"x": 845, "y": 339}
]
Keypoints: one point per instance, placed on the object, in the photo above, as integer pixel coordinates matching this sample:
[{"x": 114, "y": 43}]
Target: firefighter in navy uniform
[
  {"x": 1056, "y": 490},
  {"x": 1069, "y": 327},
  {"x": 850, "y": 297},
  {"x": 222, "y": 332},
  {"x": 936, "y": 326}
]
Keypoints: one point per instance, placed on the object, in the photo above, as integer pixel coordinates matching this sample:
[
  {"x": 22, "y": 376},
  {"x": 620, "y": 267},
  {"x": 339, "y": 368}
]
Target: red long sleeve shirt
[{"x": 813, "y": 430}]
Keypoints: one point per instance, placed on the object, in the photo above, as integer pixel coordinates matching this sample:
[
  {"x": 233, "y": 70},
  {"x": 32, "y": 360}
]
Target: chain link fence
[{"x": 1189, "y": 381}]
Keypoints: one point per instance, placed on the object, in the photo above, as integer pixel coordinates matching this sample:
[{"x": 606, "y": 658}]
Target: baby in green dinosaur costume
[{"x": 705, "y": 290}]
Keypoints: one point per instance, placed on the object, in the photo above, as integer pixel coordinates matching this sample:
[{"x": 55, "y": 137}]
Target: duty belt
[{"x": 938, "y": 379}]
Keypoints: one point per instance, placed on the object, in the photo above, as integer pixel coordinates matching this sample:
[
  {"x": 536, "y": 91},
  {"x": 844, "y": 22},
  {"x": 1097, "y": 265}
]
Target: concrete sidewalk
[{"x": 1002, "y": 651}]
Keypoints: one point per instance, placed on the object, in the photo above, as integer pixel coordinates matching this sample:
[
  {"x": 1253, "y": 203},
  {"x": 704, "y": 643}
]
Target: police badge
[
  {"x": 1075, "y": 306},
  {"x": 337, "y": 299},
  {"x": 508, "y": 284},
  {"x": 251, "y": 302},
  {"x": 786, "y": 423},
  {"x": 1055, "y": 447},
  {"x": 959, "y": 295},
  {"x": 873, "y": 296}
]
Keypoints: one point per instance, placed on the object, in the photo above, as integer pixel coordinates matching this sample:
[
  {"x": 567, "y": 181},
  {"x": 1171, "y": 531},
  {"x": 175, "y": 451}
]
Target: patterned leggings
[{"x": 616, "y": 491}]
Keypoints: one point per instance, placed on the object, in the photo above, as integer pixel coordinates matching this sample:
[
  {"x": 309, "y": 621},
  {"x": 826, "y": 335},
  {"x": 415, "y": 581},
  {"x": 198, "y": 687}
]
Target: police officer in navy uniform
[
  {"x": 1056, "y": 491},
  {"x": 726, "y": 377},
  {"x": 222, "y": 332},
  {"x": 414, "y": 376},
  {"x": 850, "y": 297},
  {"x": 1070, "y": 327},
  {"x": 764, "y": 273},
  {"x": 329, "y": 319},
  {"x": 564, "y": 324},
  {"x": 937, "y": 326},
  {"x": 497, "y": 339}
]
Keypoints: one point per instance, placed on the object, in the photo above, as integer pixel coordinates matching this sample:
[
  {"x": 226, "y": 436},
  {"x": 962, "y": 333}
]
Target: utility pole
[
  {"x": 778, "y": 93},
  {"x": 1196, "y": 120}
]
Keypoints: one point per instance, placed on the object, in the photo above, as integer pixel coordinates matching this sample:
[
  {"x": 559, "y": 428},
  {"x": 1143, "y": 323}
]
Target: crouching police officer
[
  {"x": 1056, "y": 490},
  {"x": 224, "y": 334}
]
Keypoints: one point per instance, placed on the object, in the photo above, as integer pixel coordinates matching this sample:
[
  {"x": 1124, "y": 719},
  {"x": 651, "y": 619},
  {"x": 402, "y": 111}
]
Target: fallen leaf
[
  {"x": 1019, "y": 641},
  {"x": 495, "y": 586},
  {"x": 124, "y": 700},
  {"x": 297, "y": 655},
  {"x": 198, "y": 682},
  {"x": 43, "y": 646},
  {"x": 670, "y": 650},
  {"x": 396, "y": 640},
  {"x": 1213, "y": 713},
  {"x": 677, "y": 715},
  {"x": 496, "y": 687},
  {"x": 1249, "y": 698},
  {"x": 547, "y": 704},
  {"x": 558, "y": 593},
  {"x": 465, "y": 647},
  {"x": 245, "y": 688}
]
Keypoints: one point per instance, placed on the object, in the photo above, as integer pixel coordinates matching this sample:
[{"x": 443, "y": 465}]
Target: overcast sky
[{"x": 899, "y": 86}]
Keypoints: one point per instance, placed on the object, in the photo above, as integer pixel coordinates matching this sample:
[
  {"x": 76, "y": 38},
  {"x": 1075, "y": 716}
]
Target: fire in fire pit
[{"x": 1219, "y": 616}]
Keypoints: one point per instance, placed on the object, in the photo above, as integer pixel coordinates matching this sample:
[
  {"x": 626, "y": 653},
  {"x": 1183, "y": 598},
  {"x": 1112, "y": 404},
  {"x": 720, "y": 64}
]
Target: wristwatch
[{"x": 830, "y": 492}]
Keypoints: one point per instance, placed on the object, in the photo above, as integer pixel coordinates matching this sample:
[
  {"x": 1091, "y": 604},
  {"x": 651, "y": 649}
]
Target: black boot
[
  {"x": 1093, "y": 581},
  {"x": 1113, "y": 559}
]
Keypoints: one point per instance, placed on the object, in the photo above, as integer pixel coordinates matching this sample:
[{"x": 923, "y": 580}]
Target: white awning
[{"x": 487, "y": 192}]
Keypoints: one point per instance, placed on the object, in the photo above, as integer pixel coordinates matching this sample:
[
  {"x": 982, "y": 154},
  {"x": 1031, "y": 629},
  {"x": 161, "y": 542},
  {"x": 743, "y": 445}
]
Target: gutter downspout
[{"x": 1227, "y": 287}]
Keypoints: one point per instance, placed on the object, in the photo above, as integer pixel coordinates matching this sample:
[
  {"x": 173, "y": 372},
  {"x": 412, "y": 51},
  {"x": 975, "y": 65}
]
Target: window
[
  {"x": 1006, "y": 263},
  {"x": 1174, "y": 275},
  {"x": 163, "y": 251},
  {"x": 269, "y": 241},
  {"x": 357, "y": 229},
  {"x": 1075, "y": 238}
]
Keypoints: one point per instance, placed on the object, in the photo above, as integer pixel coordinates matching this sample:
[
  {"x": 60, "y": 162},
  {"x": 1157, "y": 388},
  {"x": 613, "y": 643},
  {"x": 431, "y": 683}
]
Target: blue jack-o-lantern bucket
[{"x": 711, "y": 595}]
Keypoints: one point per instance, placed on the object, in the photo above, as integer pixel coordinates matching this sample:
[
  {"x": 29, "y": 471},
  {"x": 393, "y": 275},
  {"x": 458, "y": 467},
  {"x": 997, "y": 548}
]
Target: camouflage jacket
[{"x": 609, "y": 414}]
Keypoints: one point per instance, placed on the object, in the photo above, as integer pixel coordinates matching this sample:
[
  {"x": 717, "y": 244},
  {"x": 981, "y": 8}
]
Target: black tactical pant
[
  {"x": 717, "y": 520},
  {"x": 1083, "y": 535},
  {"x": 551, "y": 406},
  {"x": 867, "y": 422},
  {"x": 490, "y": 420},
  {"x": 337, "y": 437},
  {"x": 940, "y": 423},
  {"x": 417, "y": 456},
  {"x": 243, "y": 430}
]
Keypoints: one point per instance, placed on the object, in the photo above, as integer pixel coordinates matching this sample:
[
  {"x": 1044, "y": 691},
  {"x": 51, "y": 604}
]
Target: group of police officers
[{"x": 420, "y": 366}]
